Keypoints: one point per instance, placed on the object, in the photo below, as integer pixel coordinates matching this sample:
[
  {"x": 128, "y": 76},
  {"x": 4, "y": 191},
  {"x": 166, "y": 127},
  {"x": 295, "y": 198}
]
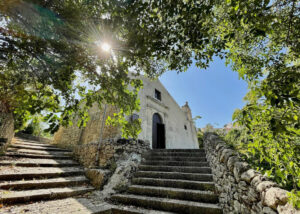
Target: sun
[{"x": 105, "y": 47}]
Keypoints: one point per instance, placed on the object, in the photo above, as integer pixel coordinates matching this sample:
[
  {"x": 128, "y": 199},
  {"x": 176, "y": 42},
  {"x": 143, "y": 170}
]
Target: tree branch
[{"x": 290, "y": 22}]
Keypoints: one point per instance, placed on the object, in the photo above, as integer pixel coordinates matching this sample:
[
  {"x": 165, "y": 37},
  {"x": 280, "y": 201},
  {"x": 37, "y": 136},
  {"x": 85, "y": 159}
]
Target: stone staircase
[
  {"x": 173, "y": 180},
  {"x": 32, "y": 171}
]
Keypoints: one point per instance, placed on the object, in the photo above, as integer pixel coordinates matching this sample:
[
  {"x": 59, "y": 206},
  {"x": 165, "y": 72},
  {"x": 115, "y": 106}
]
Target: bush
[
  {"x": 29, "y": 129},
  {"x": 200, "y": 138},
  {"x": 35, "y": 127},
  {"x": 276, "y": 159}
]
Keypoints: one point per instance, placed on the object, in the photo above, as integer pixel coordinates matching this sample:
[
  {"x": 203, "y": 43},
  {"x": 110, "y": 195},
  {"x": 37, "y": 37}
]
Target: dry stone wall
[
  {"x": 69, "y": 137},
  {"x": 109, "y": 152},
  {"x": 118, "y": 159},
  {"x": 240, "y": 188}
]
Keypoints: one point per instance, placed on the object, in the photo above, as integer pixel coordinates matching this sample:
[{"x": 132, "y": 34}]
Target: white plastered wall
[{"x": 173, "y": 116}]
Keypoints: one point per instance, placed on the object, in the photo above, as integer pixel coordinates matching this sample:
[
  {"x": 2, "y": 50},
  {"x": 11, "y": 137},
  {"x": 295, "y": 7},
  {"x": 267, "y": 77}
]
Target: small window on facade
[
  {"x": 134, "y": 117},
  {"x": 157, "y": 94},
  {"x": 185, "y": 127}
]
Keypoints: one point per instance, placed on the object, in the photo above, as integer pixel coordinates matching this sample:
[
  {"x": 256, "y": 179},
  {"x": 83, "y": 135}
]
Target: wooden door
[
  {"x": 158, "y": 132},
  {"x": 161, "y": 136}
]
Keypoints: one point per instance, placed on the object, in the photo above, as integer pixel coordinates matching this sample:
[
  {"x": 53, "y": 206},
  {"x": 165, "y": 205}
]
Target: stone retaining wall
[
  {"x": 72, "y": 136},
  {"x": 118, "y": 160},
  {"x": 109, "y": 152},
  {"x": 240, "y": 188}
]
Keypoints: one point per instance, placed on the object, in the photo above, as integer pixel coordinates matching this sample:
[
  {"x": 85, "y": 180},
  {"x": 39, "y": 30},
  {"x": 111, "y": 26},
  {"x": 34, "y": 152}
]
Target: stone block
[
  {"x": 225, "y": 155},
  {"x": 212, "y": 137},
  {"x": 97, "y": 177},
  {"x": 245, "y": 210},
  {"x": 243, "y": 185},
  {"x": 236, "y": 196},
  {"x": 231, "y": 161},
  {"x": 265, "y": 185},
  {"x": 219, "y": 173},
  {"x": 256, "y": 208},
  {"x": 268, "y": 210},
  {"x": 275, "y": 196},
  {"x": 239, "y": 168},
  {"x": 248, "y": 175},
  {"x": 237, "y": 206},
  {"x": 257, "y": 180},
  {"x": 219, "y": 145},
  {"x": 253, "y": 195},
  {"x": 287, "y": 209}
]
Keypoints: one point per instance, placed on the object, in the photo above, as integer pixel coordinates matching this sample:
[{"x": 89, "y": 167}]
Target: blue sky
[{"x": 213, "y": 93}]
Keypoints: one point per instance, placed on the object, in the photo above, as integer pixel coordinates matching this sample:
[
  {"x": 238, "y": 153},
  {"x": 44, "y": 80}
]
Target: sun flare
[{"x": 105, "y": 47}]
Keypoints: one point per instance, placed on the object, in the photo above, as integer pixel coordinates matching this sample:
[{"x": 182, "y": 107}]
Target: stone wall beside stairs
[
  {"x": 118, "y": 159},
  {"x": 109, "y": 152},
  {"x": 72, "y": 136},
  {"x": 240, "y": 188}
]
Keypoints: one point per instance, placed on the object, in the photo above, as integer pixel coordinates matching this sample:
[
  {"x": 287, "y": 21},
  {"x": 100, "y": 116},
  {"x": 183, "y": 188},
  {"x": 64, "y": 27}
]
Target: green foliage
[
  {"x": 238, "y": 138},
  {"x": 276, "y": 158},
  {"x": 46, "y": 47},
  {"x": 200, "y": 138},
  {"x": 29, "y": 129},
  {"x": 129, "y": 128},
  {"x": 294, "y": 197},
  {"x": 209, "y": 128},
  {"x": 260, "y": 40},
  {"x": 43, "y": 45},
  {"x": 264, "y": 49},
  {"x": 36, "y": 127}
]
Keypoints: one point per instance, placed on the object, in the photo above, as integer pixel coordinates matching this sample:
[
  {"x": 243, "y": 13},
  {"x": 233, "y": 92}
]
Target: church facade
[{"x": 165, "y": 125}]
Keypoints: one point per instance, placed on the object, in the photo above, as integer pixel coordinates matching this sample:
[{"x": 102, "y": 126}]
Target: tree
[
  {"x": 209, "y": 128},
  {"x": 44, "y": 46},
  {"x": 258, "y": 38}
]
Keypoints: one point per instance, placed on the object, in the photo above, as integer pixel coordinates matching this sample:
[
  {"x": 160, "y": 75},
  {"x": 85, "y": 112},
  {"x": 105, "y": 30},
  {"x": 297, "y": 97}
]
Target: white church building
[{"x": 165, "y": 124}]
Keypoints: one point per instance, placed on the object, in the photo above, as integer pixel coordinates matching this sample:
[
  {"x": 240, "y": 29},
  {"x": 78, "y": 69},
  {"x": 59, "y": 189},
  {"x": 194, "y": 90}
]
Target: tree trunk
[{"x": 6, "y": 126}]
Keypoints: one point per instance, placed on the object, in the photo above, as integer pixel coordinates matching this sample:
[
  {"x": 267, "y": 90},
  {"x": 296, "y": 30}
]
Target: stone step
[
  {"x": 175, "y": 158},
  {"x": 165, "y": 204},
  {"x": 27, "y": 155},
  {"x": 176, "y": 163},
  {"x": 38, "y": 152},
  {"x": 175, "y": 183},
  {"x": 17, "y": 173},
  {"x": 44, "y": 183},
  {"x": 174, "y": 193},
  {"x": 132, "y": 210},
  {"x": 42, "y": 194},
  {"x": 25, "y": 162},
  {"x": 178, "y": 150},
  {"x": 175, "y": 169},
  {"x": 174, "y": 175},
  {"x": 179, "y": 154},
  {"x": 22, "y": 146},
  {"x": 32, "y": 143}
]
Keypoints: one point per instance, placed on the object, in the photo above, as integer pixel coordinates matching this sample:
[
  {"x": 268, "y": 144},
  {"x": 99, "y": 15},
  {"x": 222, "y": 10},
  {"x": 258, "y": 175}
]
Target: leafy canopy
[{"x": 44, "y": 43}]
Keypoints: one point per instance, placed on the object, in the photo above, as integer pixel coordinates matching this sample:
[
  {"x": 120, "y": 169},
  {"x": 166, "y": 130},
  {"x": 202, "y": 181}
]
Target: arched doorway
[{"x": 158, "y": 132}]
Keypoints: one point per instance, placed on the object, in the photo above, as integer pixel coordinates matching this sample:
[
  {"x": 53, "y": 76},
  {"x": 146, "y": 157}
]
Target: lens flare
[{"x": 106, "y": 47}]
